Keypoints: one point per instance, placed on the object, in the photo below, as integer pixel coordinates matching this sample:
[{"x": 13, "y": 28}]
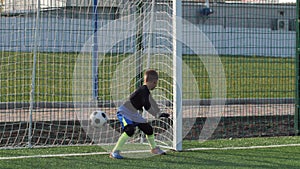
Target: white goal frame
[{"x": 35, "y": 8}]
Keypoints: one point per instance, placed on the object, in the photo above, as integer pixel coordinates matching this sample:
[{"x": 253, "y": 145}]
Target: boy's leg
[
  {"x": 154, "y": 148},
  {"x": 121, "y": 141},
  {"x": 148, "y": 130},
  {"x": 128, "y": 131},
  {"x": 151, "y": 141}
]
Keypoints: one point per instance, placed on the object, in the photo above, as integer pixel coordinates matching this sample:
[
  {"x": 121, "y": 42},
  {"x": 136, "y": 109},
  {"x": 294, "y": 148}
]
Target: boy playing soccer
[{"x": 130, "y": 118}]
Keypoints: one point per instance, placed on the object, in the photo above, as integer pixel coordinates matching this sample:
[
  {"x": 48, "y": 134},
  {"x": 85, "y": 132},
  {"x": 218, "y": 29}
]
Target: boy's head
[{"x": 150, "y": 79}]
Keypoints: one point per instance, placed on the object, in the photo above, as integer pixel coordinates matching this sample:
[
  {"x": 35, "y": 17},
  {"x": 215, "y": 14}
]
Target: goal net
[{"x": 62, "y": 60}]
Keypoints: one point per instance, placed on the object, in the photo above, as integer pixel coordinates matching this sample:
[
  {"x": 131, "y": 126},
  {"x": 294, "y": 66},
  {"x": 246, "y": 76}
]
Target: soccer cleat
[
  {"x": 115, "y": 155},
  {"x": 158, "y": 151}
]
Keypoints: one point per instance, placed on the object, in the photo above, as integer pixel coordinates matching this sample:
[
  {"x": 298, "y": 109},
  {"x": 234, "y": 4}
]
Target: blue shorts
[{"x": 125, "y": 121}]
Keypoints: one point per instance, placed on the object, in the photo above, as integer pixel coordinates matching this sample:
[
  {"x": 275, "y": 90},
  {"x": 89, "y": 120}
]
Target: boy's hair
[{"x": 151, "y": 75}]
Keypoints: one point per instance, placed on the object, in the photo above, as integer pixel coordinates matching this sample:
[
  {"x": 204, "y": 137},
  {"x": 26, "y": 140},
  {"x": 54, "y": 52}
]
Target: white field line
[
  {"x": 67, "y": 155},
  {"x": 142, "y": 151},
  {"x": 243, "y": 148},
  {"x": 52, "y": 155}
]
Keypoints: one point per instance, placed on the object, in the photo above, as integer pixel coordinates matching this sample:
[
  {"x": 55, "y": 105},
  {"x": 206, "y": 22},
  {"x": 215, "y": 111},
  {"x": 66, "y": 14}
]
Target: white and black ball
[{"x": 98, "y": 119}]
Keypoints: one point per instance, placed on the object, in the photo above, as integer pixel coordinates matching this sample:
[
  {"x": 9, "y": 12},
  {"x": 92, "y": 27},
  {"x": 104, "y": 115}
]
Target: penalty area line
[
  {"x": 66, "y": 155},
  {"x": 52, "y": 155},
  {"x": 242, "y": 148}
]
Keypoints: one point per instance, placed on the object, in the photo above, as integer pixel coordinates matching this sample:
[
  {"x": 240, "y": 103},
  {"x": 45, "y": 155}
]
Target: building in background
[
  {"x": 27, "y": 6},
  {"x": 19, "y": 6}
]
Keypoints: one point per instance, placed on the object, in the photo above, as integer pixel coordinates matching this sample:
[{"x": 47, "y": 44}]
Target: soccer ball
[{"x": 98, "y": 119}]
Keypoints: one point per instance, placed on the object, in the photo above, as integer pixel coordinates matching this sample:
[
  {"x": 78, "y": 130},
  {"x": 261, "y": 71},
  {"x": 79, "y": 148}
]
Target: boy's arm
[{"x": 154, "y": 109}]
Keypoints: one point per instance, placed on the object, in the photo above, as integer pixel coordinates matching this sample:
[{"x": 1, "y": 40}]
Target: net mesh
[{"x": 255, "y": 47}]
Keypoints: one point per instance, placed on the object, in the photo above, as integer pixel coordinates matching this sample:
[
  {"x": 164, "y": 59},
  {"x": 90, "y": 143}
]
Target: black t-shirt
[{"x": 140, "y": 98}]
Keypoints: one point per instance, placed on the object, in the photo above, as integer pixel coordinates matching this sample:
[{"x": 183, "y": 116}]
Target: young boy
[{"x": 130, "y": 118}]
